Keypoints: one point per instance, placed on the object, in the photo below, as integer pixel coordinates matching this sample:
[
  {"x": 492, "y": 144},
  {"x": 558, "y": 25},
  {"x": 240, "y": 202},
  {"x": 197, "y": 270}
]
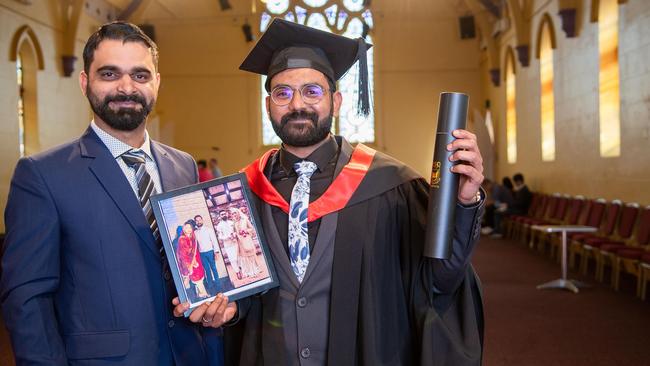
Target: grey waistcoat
[{"x": 296, "y": 315}]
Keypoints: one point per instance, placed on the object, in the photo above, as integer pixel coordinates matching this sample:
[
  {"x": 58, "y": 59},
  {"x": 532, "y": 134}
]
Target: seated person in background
[
  {"x": 523, "y": 197},
  {"x": 204, "y": 173},
  {"x": 504, "y": 202},
  {"x": 488, "y": 220}
]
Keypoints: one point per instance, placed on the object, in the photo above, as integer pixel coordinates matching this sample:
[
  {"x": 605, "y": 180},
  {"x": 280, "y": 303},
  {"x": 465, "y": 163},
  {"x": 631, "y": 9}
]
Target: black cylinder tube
[{"x": 452, "y": 115}]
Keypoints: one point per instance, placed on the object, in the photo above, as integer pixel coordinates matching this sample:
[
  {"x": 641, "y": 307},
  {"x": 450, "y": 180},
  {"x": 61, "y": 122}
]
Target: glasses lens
[
  {"x": 312, "y": 93},
  {"x": 282, "y": 95}
]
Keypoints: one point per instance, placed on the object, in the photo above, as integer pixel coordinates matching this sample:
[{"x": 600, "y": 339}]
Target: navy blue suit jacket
[{"x": 82, "y": 279}]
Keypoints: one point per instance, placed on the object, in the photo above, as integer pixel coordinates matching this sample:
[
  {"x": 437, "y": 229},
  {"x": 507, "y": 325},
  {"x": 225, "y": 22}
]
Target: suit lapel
[
  {"x": 112, "y": 179},
  {"x": 277, "y": 246},
  {"x": 165, "y": 167}
]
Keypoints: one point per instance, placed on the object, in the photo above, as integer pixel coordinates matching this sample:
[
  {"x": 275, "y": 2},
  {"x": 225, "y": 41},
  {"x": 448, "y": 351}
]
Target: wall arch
[
  {"x": 546, "y": 21},
  {"x": 25, "y": 33}
]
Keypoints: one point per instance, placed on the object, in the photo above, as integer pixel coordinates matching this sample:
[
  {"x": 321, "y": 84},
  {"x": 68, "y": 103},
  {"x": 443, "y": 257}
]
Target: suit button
[
  {"x": 170, "y": 323},
  {"x": 302, "y": 302},
  {"x": 305, "y": 352},
  {"x": 167, "y": 276}
]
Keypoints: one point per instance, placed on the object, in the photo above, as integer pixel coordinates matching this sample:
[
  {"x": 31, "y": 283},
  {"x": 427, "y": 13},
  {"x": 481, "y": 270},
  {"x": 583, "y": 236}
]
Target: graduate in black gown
[{"x": 367, "y": 295}]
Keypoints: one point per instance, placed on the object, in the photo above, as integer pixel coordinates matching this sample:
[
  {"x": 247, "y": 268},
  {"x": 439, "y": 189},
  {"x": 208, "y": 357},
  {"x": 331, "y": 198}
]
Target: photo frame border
[{"x": 255, "y": 221}]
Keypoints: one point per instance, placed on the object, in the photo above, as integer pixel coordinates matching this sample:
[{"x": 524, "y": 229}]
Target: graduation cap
[{"x": 287, "y": 45}]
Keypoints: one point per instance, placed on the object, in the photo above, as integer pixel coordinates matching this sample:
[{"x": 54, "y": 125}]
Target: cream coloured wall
[
  {"x": 205, "y": 101},
  {"x": 62, "y": 110},
  {"x": 578, "y": 168}
]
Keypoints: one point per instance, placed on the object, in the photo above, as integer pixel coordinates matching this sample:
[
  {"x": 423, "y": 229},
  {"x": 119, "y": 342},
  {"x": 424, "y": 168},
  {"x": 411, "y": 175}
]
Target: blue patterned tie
[{"x": 298, "y": 235}]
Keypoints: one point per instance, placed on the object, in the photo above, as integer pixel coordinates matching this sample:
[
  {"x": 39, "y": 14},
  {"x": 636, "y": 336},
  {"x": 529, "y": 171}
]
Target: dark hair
[
  {"x": 201, "y": 163},
  {"x": 119, "y": 31},
  {"x": 191, "y": 223},
  {"x": 198, "y": 216},
  {"x": 518, "y": 177},
  {"x": 507, "y": 183}
]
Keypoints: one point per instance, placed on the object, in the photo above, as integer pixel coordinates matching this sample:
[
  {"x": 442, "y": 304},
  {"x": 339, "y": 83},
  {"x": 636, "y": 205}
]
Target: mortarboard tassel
[{"x": 363, "y": 104}]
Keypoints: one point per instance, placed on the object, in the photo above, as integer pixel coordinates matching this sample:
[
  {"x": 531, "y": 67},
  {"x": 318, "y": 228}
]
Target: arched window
[
  {"x": 511, "y": 107},
  {"x": 609, "y": 97},
  {"x": 28, "y": 58},
  {"x": 546, "y": 44},
  {"x": 21, "y": 106},
  {"x": 350, "y": 18}
]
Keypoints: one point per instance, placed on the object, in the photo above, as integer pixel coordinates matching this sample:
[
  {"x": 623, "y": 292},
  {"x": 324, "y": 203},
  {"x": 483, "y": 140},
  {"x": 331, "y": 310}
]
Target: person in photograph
[
  {"x": 247, "y": 248},
  {"x": 209, "y": 253},
  {"x": 189, "y": 260},
  {"x": 179, "y": 233},
  {"x": 346, "y": 229},
  {"x": 229, "y": 241},
  {"x": 83, "y": 280}
]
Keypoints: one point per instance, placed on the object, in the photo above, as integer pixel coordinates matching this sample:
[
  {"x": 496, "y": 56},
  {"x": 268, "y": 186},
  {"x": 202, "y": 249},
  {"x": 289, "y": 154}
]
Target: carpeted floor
[{"x": 528, "y": 327}]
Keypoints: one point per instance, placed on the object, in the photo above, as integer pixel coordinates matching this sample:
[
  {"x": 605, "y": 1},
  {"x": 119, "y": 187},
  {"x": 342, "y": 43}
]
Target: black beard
[
  {"x": 198, "y": 225},
  {"x": 304, "y": 136},
  {"x": 124, "y": 119}
]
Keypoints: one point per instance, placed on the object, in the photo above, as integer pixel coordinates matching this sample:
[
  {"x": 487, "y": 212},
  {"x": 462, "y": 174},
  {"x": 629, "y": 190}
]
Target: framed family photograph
[{"x": 212, "y": 239}]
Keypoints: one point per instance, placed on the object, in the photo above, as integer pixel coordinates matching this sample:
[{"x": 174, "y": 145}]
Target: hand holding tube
[{"x": 456, "y": 173}]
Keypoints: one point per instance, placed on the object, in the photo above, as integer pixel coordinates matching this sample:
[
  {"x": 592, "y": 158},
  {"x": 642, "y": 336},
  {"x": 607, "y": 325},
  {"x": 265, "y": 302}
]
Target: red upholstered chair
[
  {"x": 607, "y": 249},
  {"x": 603, "y": 216},
  {"x": 644, "y": 275},
  {"x": 513, "y": 222},
  {"x": 576, "y": 209},
  {"x": 630, "y": 257},
  {"x": 543, "y": 215},
  {"x": 591, "y": 214},
  {"x": 559, "y": 216}
]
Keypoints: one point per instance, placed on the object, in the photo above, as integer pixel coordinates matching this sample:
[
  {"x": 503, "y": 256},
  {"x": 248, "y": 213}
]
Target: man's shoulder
[
  {"x": 387, "y": 165},
  {"x": 59, "y": 153},
  {"x": 384, "y": 174},
  {"x": 172, "y": 151}
]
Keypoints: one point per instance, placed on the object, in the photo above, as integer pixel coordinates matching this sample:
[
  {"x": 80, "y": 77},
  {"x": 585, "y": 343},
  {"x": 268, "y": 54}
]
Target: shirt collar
[
  {"x": 321, "y": 156},
  {"x": 117, "y": 147}
]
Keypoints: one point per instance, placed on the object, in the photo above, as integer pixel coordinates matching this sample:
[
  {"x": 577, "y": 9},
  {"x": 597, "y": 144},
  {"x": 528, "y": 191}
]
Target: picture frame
[{"x": 213, "y": 241}]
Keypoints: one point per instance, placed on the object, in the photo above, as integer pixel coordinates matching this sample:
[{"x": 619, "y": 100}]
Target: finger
[
  {"x": 221, "y": 310},
  {"x": 473, "y": 161},
  {"x": 463, "y": 144},
  {"x": 179, "y": 310},
  {"x": 197, "y": 313},
  {"x": 231, "y": 310},
  {"x": 463, "y": 134},
  {"x": 470, "y": 172},
  {"x": 470, "y": 157},
  {"x": 212, "y": 311},
  {"x": 176, "y": 301}
]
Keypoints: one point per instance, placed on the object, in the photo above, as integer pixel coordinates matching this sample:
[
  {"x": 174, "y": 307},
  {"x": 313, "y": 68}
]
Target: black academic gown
[{"x": 389, "y": 305}]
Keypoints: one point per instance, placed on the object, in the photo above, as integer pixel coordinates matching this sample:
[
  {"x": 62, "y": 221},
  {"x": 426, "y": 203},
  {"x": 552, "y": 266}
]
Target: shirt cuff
[{"x": 477, "y": 203}]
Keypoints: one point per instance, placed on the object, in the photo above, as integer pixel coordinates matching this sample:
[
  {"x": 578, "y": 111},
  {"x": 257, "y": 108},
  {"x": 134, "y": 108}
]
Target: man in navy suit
[{"x": 83, "y": 281}]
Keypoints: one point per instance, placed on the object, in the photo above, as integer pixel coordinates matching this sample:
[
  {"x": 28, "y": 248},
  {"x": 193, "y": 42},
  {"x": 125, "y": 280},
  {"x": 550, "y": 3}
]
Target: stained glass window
[
  {"x": 351, "y": 19},
  {"x": 547, "y": 95},
  {"x": 21, "y": 106},
  {"x": 609, "y": 95},
  {"x": 511, "y": 111}
]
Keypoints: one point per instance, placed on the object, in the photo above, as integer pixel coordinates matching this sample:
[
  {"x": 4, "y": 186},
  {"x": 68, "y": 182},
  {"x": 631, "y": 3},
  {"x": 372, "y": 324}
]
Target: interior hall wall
[
  {"x": 578, "y": 167},
  {"x": 206, "y": 102},
  {"x": 63, "y": 113}
]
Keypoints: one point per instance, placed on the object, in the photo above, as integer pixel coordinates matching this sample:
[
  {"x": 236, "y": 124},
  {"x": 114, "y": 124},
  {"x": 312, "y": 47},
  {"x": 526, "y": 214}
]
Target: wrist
[{"x": 476, "y": 198}]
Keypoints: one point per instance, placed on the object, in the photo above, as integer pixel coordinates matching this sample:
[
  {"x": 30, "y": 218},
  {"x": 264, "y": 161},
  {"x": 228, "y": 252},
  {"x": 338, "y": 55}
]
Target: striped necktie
[{"x": 135, "y": 160}]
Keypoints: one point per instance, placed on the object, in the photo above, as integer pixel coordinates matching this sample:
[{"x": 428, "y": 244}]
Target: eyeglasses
[{"x": 311, "y": 94}]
